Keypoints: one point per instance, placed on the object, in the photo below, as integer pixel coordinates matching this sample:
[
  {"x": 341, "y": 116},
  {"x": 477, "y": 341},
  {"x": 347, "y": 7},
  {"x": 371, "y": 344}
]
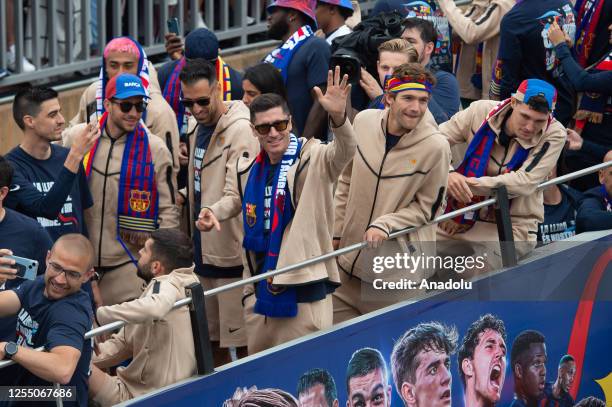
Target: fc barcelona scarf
[
  {"x": 592, "y": 106},
  {"x": 172, "y": 90},
  {"x": 281, "y": 57},
  {"x": 272, "y": 301},
  {"x": 476, "y": 161},
  {"x": 138, "y": 204},
  {"x": 589, "y": 12}
]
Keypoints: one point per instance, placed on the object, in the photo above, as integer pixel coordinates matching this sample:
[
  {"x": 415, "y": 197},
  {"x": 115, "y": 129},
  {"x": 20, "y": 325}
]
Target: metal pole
[
  {"x": 199, "y": 327},
  {"x": 574, "y": 175},
  {"x": 504, "y": 227}
]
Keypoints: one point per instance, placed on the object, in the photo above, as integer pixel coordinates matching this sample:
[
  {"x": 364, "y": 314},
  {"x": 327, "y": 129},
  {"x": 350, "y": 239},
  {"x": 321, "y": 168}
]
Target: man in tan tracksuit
[
  {"x": 219, "y": 133},
  {"x": 158, "y": 339},
  {"x": 113, "y": 261},
  {"x": 124, "y": 55},
  {"x": 527, "y": 143},
  {"x": 297, "y": 175},
  {"x": 479, "y": 24},
  {"x": 396, "y": 180}
]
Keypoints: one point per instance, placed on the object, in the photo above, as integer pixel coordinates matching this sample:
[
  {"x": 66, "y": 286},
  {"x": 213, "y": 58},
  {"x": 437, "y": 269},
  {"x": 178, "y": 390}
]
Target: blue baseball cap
[
  {"x": 125, "y": 86},
  {"x": 536, "y": 87},
  {"x": 340, "y": 3}
]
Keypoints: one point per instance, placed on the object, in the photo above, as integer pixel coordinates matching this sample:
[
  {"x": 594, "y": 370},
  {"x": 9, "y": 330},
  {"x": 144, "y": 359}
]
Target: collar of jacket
[
  {"x": 184, "y": 275},
  {"x": 426, "y": 128},
  {"x": 497, "y": 120}
]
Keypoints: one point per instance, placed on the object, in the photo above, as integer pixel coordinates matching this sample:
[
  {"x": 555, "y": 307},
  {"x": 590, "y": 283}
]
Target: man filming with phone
[{"x": 54, "y": 313}]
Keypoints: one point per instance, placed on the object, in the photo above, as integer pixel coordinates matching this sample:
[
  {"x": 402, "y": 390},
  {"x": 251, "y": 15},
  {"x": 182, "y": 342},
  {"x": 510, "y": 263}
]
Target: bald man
[{"x": 55, "y": 308}]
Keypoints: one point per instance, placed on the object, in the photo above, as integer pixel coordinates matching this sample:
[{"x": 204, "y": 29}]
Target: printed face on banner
[
  {"x": 489, "y": 364},
  {"x": 369, "y": 391},
  {"x": 433, "y": 379}
]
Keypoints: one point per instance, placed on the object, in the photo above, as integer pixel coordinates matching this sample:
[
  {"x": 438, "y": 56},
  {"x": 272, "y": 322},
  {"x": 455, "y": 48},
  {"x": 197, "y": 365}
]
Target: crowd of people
[{"x": 195, "y": 172}]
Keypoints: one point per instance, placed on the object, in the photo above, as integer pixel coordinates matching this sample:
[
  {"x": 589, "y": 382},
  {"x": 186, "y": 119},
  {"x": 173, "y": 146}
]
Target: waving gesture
[{"x": 334, "y": 100}]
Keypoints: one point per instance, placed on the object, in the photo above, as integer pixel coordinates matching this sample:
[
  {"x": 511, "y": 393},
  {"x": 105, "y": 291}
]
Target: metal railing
[{"x": 204, "y": 366}]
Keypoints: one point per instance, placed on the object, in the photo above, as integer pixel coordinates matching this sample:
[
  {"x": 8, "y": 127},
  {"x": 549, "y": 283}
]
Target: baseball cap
[
  {"x": 125, "y": 86},
  {"x": 306, "y": 7},
  {"x": 202, "y": 43},
  {"x": 340, "y": 3},
  {"x": 536, "y": 87}
]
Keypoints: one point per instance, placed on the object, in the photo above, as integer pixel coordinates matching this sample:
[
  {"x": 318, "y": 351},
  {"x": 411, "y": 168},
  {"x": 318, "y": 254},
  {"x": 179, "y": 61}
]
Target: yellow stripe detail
[{"x": 408, "y": 86}]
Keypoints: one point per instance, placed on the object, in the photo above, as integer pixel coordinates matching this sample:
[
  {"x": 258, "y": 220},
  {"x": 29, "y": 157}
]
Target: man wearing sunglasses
[
  {"x": 54, "y": 312},
  {"x": 219, "y": 133},
  {"x": 130, "y": 177},
  {"x": 286, "y": 197}
]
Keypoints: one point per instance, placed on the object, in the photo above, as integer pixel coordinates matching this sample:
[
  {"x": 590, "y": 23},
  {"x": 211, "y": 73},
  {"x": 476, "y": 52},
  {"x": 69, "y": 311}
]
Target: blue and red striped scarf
[
  {"x": 589, "y": 12},
  {"x": 476, "y": 161},
  {"x": 138, "y": 204},
  {"x": 591, "y": 105},
  {"x": 272, "y": 301},
  {"x": 281, "y": 56},
  {"x": 606, "y": 198}
]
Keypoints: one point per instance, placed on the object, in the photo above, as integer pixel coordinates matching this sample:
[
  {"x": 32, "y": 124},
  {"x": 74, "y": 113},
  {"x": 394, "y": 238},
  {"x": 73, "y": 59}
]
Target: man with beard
[
  {"x": 557, "y": 393},
  {"x": 367, "y": 380},
  {"x": 528, "y": 363},
  {"x": 482, "y": 361},
  {"x": 157, "y": 338},
  {"x": 302, "y": 60},
  {"x": 420, "y": 363}
]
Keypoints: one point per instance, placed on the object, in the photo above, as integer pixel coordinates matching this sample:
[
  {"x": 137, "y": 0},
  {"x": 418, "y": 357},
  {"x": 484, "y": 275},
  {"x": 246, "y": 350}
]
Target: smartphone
[
  {"x": 26, "y": 268},
  {"x": 173, "y": 25},
  {"x": 348, "y": 65},
  {"x": 92, "y": 112}
]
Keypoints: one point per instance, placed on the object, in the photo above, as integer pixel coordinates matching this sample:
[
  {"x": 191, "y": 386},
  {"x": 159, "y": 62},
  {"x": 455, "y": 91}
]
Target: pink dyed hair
[{"x": 123, "y": 45}]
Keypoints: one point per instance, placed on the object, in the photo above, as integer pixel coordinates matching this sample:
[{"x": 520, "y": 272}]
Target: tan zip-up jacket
[
  {"x": 311, "y": 182},
  {"x": 232, "y": 139},
  {"x": 392, "y": 190},
  {"x": 101, "y": 218},
  {"x": 160, "y": 118},
  {"x": 158, "y": 339},
  {"x": 480, "y": 23},
  {"x": 527, "y": 209}
]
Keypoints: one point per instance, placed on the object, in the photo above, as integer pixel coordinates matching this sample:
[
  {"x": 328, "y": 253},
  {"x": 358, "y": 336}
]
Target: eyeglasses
[
  {"x": 126, "y": 107},
  {"x": 70, "y": 275},
  {"x": 279, "y": 125},
  {"x": 202, "y": 102}
]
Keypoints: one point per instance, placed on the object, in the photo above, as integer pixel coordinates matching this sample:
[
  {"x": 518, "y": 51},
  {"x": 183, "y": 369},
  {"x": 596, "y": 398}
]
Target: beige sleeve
[
  {"x": 341, "y": 198},
  {"x": 161, "y": 121},
  {"x": 168, "y": 213},
  {"x": 112, "y": 351},
  {"x": 230, "y": 205},
  {"x": 541, "y": 160},
  {"x": 341, "y": 150},
  {"x": 473, "y": 31}
]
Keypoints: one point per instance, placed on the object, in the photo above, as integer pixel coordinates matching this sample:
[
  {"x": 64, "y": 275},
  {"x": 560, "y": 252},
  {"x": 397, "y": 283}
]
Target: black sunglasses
[
  {"x": 126, "y": 107},
  {"x": 279, "y": 125},
  {"x": 202, "y": 102}
]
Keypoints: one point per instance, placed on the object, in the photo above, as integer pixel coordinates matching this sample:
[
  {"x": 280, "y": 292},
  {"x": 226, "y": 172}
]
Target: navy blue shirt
[
  {"x": 47, "y": 190},
  {"x": 25, "y": 238},
  {"x": 164, "y": 72},
  {"x": 593, "y": 213},
  {"x": 526, "y": 52},
  {"x": 52, "y": 323},
  {"x": 205, "y": 270},
  {"x": 560, "y": 220},
  {"x": 307, "y": 69}
]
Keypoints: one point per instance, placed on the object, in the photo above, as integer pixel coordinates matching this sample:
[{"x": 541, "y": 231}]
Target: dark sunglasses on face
[
  {"x": 202, "y": 102},
  {"x": 126, "y": 107},
  {"x": 264, "y": 128}
]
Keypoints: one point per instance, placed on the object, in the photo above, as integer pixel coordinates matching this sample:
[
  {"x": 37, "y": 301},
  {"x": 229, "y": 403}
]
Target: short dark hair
[
  {"x": 196, "y": 70},
  {"x": 173, "y": 248},
  {"x": 266, "y": 78},
  {"x": 470, "y": 340},
  {"x": 539, "y": 104},
  {"x": 318, "y": 376},
  {"x": 565, "y": 359},
  {"x": 28, "y": 100},
  {"x": 268, "y": 398},
  {"x": 590, "y": 402},
  {"x": 364, "y": 361},
  {"x": 426, "y": 28},
  {"x": 6, "y": 173},
  {"x": 423, "y": 337},
  {"x": 265, "y": 102},
  {"x": 343, "y": 11},
  {"x": 522, "y": 343}
]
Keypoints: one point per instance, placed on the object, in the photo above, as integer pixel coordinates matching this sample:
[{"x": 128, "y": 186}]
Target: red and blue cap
[
  {"x": 340, "y": 3},
  {"x": 536, "y": 87},
  {"x": 125, "y": 86},
  {"x": 306, "y": 7}
]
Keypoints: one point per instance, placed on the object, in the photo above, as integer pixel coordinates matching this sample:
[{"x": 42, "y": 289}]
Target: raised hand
[{"x": 334, "y": 100}]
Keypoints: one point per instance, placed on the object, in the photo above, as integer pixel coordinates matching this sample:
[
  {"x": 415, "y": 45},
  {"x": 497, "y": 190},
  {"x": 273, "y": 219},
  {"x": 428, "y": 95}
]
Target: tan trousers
[
  {"x": 224, "y": 313},
  {"x": 264, "y": 332},
  {"x": 113, "y": 392},
  {"x": 120, "y": 285}
]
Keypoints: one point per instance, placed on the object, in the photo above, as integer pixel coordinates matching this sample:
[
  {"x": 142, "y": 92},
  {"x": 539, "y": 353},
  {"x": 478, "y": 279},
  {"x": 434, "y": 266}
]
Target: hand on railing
[
  {"x": 374, "y": 237},
  {"x": 207, "y": 220},
  {"x": 458, "y": 188}
]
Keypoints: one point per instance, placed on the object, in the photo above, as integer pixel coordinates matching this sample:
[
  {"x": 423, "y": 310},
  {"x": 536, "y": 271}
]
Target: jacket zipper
[
  {"x": 501, "y": 165},
  {"x": 110, "y": 153}
]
